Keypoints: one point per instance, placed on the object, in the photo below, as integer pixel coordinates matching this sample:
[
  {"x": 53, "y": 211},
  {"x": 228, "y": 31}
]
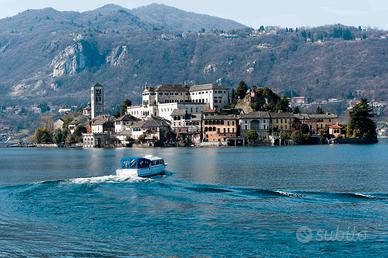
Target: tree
[
  {"x": 42, "y": 136},
  {"x": 319, "y": 110},
  {"x": 78, "y": 133},
  {"x": 361, "y": 122},
  {"x": 283, "y": 105},
  {"x": 304, "y": 129},
  {"x": 44, "y": 107},
  {"x": 252, "y": 135},
  {"x": 124, "y": 105},
  {"x": 57, "y": 136},
  {"x": 241, "y": 90}
]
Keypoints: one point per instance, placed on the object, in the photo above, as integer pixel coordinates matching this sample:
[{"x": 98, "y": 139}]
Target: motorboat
[{"x": 141, "y": 166}]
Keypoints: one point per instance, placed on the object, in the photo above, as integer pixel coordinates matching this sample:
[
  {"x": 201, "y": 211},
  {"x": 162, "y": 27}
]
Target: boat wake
[{"x": 106, "y": 179}]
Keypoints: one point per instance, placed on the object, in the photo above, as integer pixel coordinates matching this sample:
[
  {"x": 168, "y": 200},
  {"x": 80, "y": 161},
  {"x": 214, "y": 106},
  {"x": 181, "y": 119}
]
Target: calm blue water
[{"x": 292, "y": 201}]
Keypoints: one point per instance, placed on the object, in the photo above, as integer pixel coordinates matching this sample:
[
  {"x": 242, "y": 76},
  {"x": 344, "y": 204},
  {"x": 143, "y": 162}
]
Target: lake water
[{"x": 267, "y": 201}]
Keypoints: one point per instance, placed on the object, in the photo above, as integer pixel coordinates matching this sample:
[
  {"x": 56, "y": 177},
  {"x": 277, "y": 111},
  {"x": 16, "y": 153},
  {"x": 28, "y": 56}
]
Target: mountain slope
[
  {"x": 177, "y": 20},
  {"x": 52, "y": 56}
]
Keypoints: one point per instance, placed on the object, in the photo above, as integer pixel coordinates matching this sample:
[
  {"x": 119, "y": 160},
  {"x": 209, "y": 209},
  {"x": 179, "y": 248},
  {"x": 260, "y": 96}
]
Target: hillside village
[{"x": 196, "y": 115}]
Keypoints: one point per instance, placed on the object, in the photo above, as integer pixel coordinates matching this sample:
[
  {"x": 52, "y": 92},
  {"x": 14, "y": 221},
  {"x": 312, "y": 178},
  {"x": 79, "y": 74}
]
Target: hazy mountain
[
  {"x": 52, "y": 56},
  {"x": 177, "y": 20}
]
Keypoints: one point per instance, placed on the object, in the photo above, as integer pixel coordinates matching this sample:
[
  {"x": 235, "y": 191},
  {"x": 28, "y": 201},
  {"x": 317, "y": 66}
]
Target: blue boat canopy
[{"x": 134, "y": 162}]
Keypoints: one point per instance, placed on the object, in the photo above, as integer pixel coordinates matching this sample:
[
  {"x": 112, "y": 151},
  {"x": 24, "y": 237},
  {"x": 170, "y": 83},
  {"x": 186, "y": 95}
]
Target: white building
[
  {"x": 97, "y": 100},
  {"x": 164, "y": 99}
]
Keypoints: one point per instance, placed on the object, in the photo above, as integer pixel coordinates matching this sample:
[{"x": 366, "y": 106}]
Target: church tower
[{"x": 97, "y": 100}]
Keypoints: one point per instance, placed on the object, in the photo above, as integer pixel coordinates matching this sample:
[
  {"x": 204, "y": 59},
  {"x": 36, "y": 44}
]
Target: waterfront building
[
  {"x": 97, "y": 100},
  {"x": 219, "y": 128},
  {"x": 282, "y": 121},
  {"x": 258, "y": 121},
  {"x": 96, "y": 140},
  {"x": 317, "y": 122}
]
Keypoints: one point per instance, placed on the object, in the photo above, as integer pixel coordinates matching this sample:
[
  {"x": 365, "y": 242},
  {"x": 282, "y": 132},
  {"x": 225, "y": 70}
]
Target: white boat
[{"x": 141, "y": 166}]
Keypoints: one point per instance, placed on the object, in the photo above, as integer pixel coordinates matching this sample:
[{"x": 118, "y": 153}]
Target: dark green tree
[
  {"x": 252, "y": 135},
  {"x": 124, "y": 105},
  {"x": 58, "y": 136},
  {"x": 78, "y": 133},
  {"x": 44, "y": 107},
  {"x": 361, "y": 122},
  {"x": 42, "y": 136},
  {"x": 319, "y": 110},
  {"x": 241, "y": 90}
]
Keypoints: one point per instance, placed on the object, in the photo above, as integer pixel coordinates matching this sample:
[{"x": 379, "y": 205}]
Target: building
[
  {"x": 96, "y": 140},
  {"x": 78, "y": 121},
  {"x": 165, "y": 110},
  {"x": 58, "y": 124},
  {"x": 185, "y": 123},
  {"x": 215, "y": 95},
  {"x": 260, "y": 122},
  {"x": 87, "y": 111},
  {"x": 164, "y": 99},
  {"x": 153, "y": 129},
  {"x": 282, "y": 122},
  {"x": 317, "y": 122},
  {"x": 219, "y": 128},
  {"x": 103, "y": 124},
  {"x": 124, "y": 123},
  {"x": 100, "y": 135},
  {"x": 97, "y": 100},
  {"x": 336, "y": 130}
]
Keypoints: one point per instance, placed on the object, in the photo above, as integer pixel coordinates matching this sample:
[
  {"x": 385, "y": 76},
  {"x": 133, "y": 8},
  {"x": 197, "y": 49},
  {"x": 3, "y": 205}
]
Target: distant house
[
  {"x": 336, "y": 130},
  {"x": 77, "y": 121},
  {"x": 58, "y": 124},
  {"x": 87, "y": 110},
  {"x": 124, "y": 123},
  {"x": 103, "y": 124}
]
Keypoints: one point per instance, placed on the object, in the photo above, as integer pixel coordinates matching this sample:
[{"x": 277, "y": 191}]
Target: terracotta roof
[{"x": 335, "y": 127}]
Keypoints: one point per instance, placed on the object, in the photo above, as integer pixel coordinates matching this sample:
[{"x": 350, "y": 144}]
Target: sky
[{"x": 285, "y": 13}]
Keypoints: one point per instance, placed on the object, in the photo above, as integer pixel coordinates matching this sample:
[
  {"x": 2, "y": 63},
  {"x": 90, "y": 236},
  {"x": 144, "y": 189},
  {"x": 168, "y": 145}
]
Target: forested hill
[{"x": 52, "y": 56}]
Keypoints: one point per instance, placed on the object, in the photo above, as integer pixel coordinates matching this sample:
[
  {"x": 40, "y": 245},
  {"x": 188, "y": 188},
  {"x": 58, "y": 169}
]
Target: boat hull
[{"x": 141, "y": 172}]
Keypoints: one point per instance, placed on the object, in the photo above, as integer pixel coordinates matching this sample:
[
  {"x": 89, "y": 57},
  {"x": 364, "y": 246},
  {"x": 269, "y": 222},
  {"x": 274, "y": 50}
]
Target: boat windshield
[
  {"x": 157, "y": 162},
  {"x": 133, "y": 163}
]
